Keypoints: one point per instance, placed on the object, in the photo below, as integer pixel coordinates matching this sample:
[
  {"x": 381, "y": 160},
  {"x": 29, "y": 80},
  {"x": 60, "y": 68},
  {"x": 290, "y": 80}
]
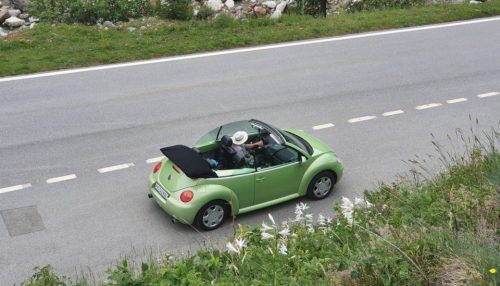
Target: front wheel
[
  {"x": 211, "y": 215},
  {"x": 321, "y": 185}
]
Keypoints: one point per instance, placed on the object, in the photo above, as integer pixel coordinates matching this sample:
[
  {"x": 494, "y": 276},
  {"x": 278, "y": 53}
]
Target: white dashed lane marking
[
  {"x": 489, "y": 94},
  {"x": 456, "y": 100},
  {"x": 115, "y": 168},
  {"x": 14, "y": 188},
  {"x": 359, "y": 119},
  {"x": 395, "y": 112},
  {"x": 61, "y": 179},
  {"x": 427, "y": 106},
  {"x": 323, "y": 126},
  {"x": 154, "y": 160}
]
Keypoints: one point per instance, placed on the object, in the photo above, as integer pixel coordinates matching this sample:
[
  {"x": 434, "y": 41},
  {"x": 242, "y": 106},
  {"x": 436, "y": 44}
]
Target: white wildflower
[
  {"x": 329, "y": 220},
  {"x": 368, "y": 204},
  {"x": 285, "y": 232},
  {"x": 302, "y": 206},
  {"x": 358, "y": 202},
  {"x": 282, "y": 249},
  {"x": 309, "y": 218},
  {"x": 321, "y": 219},
  {"x": 266, "y": 235},
  {"x": 231, "y": 248},
  {"x": 271, "y": 218},
  {"x": 265, "y": 227},
  {"x": 347, "y": 209},
  {"x": 240, "y": 243}
]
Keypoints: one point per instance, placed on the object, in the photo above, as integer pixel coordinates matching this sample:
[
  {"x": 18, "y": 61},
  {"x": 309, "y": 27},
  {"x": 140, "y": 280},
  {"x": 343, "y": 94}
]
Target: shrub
[
  {"x": 205, "y": 13},
  {"x": 368, "y": 5},
  {"x": 89, "y": 11},
  {"x": 176, "y": 9}
]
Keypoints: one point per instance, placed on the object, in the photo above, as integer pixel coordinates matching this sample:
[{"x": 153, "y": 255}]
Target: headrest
[{"x": 226, "y": 141}]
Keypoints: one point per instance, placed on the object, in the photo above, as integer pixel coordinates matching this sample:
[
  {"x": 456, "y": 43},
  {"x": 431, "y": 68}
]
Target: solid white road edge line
[
  {"x": 426, "y": 106},
  {"x": 14, "y": 188},
  {"x": 456, "y": 100},
  {"x": 115, "y": 168},
  {"x": 323, "y": 126},
  {"x": 489, "y": 94},
  {"x": 260, "y": 48},
  {"x": 61, "y": 179},
  {"x": 395, "y": 112},
  {"x": 359, "y": 119},
  {"x": 154, "y": 160}
]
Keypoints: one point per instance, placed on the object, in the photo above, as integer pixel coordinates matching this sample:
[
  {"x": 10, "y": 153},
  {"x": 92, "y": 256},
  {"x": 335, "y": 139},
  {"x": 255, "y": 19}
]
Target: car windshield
[{"x": 252, "y": 127}]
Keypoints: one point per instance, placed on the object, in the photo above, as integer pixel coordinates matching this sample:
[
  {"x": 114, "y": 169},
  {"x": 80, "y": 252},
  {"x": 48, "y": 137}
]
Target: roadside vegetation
[
  {"x": 68, "y": 37},
  {"x": 426, "y": 228}
]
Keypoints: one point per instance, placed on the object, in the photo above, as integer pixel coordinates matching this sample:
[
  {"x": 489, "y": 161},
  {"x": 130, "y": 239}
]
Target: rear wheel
[
  {"x": 321, "y": 185},
  {"x": 212, "y": 215}
]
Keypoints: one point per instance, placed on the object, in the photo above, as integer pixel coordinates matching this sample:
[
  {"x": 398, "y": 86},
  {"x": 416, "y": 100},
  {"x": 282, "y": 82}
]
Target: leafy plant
[{"x": 205, "y": 13}]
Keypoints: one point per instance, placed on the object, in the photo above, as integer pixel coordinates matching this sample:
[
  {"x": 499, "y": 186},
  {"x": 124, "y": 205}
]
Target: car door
[{"x": 280, "y": 176}]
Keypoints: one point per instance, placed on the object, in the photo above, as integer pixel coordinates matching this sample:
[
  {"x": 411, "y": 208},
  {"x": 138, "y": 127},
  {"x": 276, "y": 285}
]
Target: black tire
[
  {"x": 321, "y": 185},
  {"x": 212, "y": 215}
]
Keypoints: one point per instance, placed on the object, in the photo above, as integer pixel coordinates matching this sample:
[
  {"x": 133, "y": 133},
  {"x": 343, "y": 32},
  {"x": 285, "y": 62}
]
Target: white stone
[
  {"x": 216, "y": 5},
  {"x": 281, "y": 7},
  {"x": 269, "y": 4},
  {"x": 276, "y": 14},
  {"x": 14, "y": 22},
  {"x": 32, "y": 25},
  {"x": 229, "y": 3},
  {"x": 14, "y": 12},
  {"x": 475, "y": 2},
  {"x": 131, "y": 29},
  {"x": 3, "y": 33}
]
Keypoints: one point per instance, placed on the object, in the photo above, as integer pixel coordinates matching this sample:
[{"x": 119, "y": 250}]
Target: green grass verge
[
  {"x": 443, "y": 230},
  {"x": 50, "y": 47}
]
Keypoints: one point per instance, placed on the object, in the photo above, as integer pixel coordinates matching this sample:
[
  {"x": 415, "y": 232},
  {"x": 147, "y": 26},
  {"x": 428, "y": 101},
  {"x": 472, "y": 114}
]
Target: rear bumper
[{"x": 182, "y": 212}]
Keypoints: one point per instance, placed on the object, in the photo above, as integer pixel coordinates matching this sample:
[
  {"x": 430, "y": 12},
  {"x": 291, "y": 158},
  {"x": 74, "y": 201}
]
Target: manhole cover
[{"x": 22, "y": 220}]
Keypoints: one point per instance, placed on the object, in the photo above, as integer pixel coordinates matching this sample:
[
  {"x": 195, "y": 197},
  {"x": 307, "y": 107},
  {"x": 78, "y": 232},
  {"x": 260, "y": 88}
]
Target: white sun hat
[{"x": 239, "y": 137}]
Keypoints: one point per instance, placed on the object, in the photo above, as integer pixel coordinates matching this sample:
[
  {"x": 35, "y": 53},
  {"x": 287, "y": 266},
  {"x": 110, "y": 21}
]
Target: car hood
[{"x": 318, "y": 146}]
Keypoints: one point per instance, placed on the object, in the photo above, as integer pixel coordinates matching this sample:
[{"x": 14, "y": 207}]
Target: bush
[
  {"x": 205, "y": 13},
  {"x": 176, "y": 9},
  {"x": 89, "y": 11},
  {"x": 368, "y": 5}
]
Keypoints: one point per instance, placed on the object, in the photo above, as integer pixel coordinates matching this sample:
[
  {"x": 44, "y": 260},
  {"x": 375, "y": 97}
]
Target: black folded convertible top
[{"x": 189, "y": 161}]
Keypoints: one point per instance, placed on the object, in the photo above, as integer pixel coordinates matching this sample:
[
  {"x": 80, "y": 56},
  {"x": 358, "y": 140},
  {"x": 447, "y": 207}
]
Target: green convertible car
[{"x": 240, "y": 167}]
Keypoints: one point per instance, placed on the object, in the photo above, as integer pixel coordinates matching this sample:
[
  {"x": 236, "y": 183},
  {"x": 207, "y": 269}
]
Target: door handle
[{"x": 260, "y": 179}]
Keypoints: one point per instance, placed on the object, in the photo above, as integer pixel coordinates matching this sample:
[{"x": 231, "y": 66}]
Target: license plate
[{"x": 161, "y": 191}]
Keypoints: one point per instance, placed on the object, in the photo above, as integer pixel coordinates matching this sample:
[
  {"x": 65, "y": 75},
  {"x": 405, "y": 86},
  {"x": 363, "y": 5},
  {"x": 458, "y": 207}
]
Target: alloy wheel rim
[
  {"x": 213, "y": 216},
  {"x": 322, "y": 186}
]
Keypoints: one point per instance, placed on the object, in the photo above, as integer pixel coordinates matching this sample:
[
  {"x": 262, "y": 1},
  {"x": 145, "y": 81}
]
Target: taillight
[
  {"x": 187, "y": 196},
  {"x": 157, "y": 167}
]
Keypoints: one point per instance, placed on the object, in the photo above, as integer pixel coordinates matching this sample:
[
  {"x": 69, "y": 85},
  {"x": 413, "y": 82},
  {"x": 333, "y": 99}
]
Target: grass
[
  {"x": 440, "y": 230},
  {"x": 49, "y": 47}
]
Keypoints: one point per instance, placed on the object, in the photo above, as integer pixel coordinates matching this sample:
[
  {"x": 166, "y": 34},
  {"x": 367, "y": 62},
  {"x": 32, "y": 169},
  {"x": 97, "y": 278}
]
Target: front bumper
[{"x": 182, "y": 212}]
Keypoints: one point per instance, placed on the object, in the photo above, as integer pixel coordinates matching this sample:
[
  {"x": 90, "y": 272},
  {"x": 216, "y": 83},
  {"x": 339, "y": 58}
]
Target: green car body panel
[{"x": 244, "y": 189}]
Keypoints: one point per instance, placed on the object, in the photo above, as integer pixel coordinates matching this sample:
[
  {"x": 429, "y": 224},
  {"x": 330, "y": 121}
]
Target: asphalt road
[{"x": 76, "y": 123}]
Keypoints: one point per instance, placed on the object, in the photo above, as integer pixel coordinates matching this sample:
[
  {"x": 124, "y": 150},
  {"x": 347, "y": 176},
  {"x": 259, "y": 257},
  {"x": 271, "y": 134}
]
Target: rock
[
  {"x": 216, "y": 5},
  {"x": 229, "y": 3},
  {"x": 14, "y": 12},
  {"x": 4, "y": 14},
  {"x": 276, "y": 14},
  {"x": 14, "y": 22},
  {"x": 281, "y": 7},
  {"x": 32, "y": 25},
  {"x": 108, "y": 24},
  {"x": 143, "y": 28},
  {"x": 3, "y": 32},
  {"x": 1, "y": 4},
  {"x": 33, "y": 19},
  {"x": 260, "y": 11},
  {"x": 20, "y": 4},
  {"x": 23, "y": 16},
  {"x": 269, "y": 4},
  {"x": 131, "y": 29},
  {"x": 475, "y": 2}
]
